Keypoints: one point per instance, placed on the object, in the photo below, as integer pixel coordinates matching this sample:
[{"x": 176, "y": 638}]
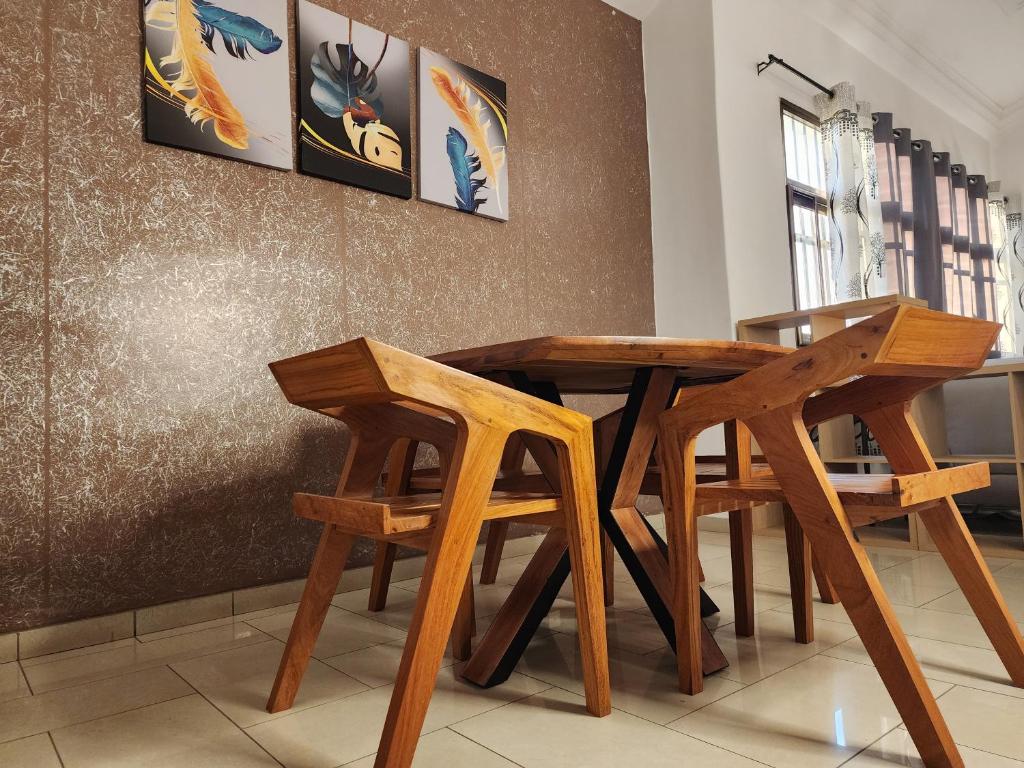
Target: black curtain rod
[{"x": 773, "y": 59}]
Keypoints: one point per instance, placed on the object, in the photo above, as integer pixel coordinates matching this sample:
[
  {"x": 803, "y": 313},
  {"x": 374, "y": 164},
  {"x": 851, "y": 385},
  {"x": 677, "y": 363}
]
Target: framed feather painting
[
  {"x": 354, "y": 106},
  {"x": 216, "y": 78},
  {"x": 463, "y": 134}
]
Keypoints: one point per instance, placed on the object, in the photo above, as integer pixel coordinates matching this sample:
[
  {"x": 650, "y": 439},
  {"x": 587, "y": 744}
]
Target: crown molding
[{"x": 963, "y": 92}]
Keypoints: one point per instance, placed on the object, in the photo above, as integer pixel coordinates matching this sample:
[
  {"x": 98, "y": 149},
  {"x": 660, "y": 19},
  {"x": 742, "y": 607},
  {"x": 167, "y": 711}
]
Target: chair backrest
[
  {"x": 364, "y": 373},
  {"x": 895, "y": 354}
]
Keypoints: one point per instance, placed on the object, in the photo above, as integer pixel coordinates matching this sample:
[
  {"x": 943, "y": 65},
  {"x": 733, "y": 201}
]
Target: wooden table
[{"x": 650, "y": 371}]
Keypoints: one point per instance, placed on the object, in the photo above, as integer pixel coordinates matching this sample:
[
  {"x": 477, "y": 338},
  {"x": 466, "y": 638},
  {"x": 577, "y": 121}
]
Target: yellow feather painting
[
  {"x": 216, "y": 78},
  {"x": 463, "y": 137}
]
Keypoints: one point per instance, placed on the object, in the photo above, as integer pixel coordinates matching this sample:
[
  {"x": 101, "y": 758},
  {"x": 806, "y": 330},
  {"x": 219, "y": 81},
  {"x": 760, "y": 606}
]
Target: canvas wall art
[
  {"x": 463, "y": 134},
  {"x": 216, "y": 78},
  {"x": 354, "y": 107}
]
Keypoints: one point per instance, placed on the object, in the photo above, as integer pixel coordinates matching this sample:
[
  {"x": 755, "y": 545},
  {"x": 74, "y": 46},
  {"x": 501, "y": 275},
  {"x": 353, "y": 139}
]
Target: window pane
[{"x": 803, "y": 152}]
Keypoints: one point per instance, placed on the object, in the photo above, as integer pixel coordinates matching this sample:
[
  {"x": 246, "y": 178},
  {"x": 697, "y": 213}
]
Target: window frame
[{"x": 795, "y": 189}]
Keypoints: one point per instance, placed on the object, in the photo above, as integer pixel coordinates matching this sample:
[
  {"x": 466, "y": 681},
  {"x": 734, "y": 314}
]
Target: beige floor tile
[
  {"x": 377, "y": 665},
  {"x": 1011, "y": 589},
  {"x": 76, "y": 652},
  {"x": 75, "y": 670},
  {"x": 33, "y": 752},
  {"x": 238, "y": 681},
  {"x": 449, "y": 749},
  {"x": 12, "y": 682},
  {"x": 951, "y": 663},
  {"x": 170, "y": 615},
  {"x": 342, "y": 731},
  {"x": 397, "y": 613},
  {"x": 634, "y": 631},
  {"x": 902, "y": 589},
  {"x": 986, "y": 721},
  {"x": 47, "y": 711},
  {"x": 816, "y": 714},
  {"x": 884, "y": 557},
  {"x": 917, "y": 622},
  {"x": 1014, "y": 570},
  {"x": 897, "y": 748},
  {"x": 645, "y": 686},
  {"x": 826, "y": 611},
  {"x": 765, "y": 599},
  {"x": 717, "y": 571},
  {"x": 184, "y": 733},
  {"x": 928, "y": 569},
  {"x": 553, "y": 730},
  {"x": 342, "y": 631},
  {"x": 75, "y": 634},
  {"x": 772, "y": 648}
]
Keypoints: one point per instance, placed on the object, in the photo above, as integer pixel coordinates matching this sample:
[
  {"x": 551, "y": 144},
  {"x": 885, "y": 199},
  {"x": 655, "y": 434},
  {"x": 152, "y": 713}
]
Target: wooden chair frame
[
  {"x": 386, "y": 396},
  {"x": 896, "y": 355}
]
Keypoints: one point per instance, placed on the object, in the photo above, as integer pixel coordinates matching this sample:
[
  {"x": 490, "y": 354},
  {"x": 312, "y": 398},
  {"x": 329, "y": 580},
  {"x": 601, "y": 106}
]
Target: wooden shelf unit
[{"x": 836, "y": 438}]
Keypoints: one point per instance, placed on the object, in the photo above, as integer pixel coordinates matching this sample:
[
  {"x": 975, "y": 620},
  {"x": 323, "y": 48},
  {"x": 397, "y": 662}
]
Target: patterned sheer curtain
[
  {"x": 858, "y": 257},
  {"x": 1015, "y": 252},
  {"x": 903, "y": 217}
]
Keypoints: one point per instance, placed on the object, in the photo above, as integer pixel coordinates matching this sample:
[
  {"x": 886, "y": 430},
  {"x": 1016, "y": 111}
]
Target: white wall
[
  {"x": 706, "y": 107},
  {"x": 691, "y": 295}
]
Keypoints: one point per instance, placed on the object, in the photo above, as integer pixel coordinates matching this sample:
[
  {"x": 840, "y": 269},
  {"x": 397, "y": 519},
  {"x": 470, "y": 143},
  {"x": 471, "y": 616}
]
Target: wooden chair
[
  {"x": 389, "y": 398},
  {"x": 894, "y": 356}
]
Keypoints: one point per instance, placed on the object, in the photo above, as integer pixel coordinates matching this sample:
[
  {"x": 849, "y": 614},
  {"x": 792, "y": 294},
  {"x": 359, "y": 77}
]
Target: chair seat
[
  {"x": 870, "y": 496},
  {"x": 429, "y": 479},
  {"x": 407, "y": 515}
]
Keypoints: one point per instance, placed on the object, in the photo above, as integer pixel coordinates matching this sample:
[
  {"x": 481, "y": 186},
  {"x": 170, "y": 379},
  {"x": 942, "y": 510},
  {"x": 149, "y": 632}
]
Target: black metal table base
[{"x": 606, "y": 494}]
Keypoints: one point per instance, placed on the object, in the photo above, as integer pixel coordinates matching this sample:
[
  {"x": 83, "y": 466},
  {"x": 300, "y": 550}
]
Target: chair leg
[
  {"x": 473, "y": 469},
  {"x": 608, "y": 569},
  {"x": 324, "y": 575},
  {"x": 464, "y": 627},
  {"x": 784, "y": 439},
  {"x": 898, "y": 436},
  {"x": 825, "y": 589},
  {"x": 383, "y": 562},
  {"x": 497, "y": 532},
  {"x": 579, "y": 495},
  {"x": 799, "y": 550},
  {"x": 680, "y": 489},
  {"x": 741, "y": 544}
]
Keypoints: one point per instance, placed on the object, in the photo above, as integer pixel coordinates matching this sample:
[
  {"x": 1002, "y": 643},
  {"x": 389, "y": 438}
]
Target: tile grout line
[
  {"x": 55, "y": 750},
  {"x": 156, "y": 665},
  {"x": 484, "y": 746},
  {"x": 236, "y": 726}
]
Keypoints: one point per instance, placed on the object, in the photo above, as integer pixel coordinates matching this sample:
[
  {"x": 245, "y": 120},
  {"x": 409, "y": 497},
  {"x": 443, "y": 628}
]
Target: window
[{"x": 805, "y": 195}]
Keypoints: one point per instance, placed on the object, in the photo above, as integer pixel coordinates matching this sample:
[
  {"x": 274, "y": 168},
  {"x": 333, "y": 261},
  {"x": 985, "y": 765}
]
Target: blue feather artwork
[
  {"x": 238, "y": 32},
  {"x": 464, "y": 165}
]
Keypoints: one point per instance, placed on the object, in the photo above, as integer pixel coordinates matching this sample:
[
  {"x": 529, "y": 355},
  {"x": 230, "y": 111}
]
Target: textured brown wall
[{"x": 146, "y": 452}]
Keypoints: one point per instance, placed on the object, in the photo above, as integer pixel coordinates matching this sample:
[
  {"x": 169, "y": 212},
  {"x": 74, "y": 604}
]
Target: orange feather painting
[
  {"x": 216, "y": 77},
  {"x": 463, "y": 137}
]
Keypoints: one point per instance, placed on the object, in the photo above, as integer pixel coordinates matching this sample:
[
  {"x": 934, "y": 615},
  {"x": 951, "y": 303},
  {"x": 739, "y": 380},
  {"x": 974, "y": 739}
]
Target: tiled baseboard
[{"x": 41, "y": 641}]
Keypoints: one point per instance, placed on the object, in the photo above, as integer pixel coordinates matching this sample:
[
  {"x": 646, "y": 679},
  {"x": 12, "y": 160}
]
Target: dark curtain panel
[
  {"x": 904, "y": 163},
  {"x": 890, "y": 194},
  {"x": 958, "y": 290},
  {"x": 927, "y": 238},
  {"x": 962, "y": 237},
  {"x": 982, "y": 256}
]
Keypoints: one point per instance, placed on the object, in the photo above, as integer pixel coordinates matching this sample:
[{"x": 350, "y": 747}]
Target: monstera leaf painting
[
  {"x": 216, "y": 78},
  {"x": 462, "y": 137},
  {"x": 354, "y": 123}
]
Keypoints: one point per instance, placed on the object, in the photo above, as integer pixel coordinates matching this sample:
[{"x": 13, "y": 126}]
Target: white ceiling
[
  {"x": 966, "y": 54},
  {"x": 636, "y": 8},
  {"x": 974, "y": 48}
]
